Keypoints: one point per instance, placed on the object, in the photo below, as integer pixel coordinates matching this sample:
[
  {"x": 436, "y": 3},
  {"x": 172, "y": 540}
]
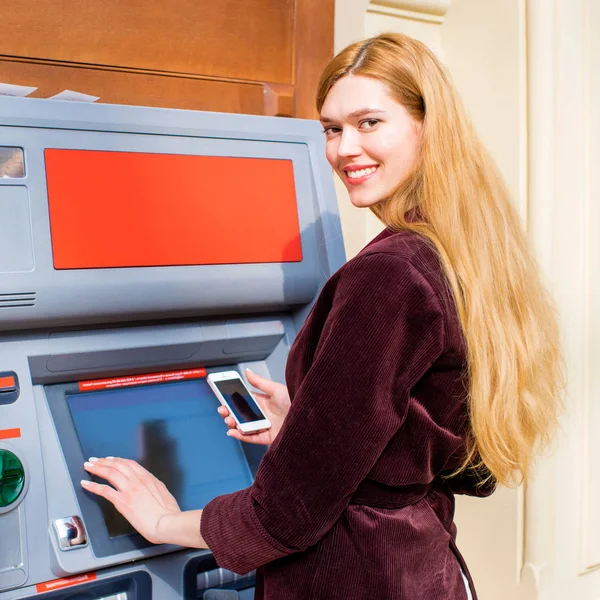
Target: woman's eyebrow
[{"x": 357, "y": 113}]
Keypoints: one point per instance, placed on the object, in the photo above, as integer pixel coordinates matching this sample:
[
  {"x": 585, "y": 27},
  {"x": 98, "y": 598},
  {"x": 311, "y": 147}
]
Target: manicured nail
[
  {"x": 93, "y": 459},
  {"x": 249, "y": 371},
  {"x": 228, "y": 432},
  {"x": 85, "y": 482},
  {"x": 109, "y": 456},
  {"x": 88, "y": 464}
]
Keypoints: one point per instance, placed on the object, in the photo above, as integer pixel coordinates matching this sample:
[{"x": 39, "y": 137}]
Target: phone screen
[{"x": 239, "y": 400}]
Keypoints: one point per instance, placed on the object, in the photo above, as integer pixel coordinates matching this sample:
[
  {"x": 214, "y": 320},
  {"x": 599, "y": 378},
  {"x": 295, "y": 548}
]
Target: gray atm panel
[
  {"x": 61, "y": 327},
  {"x": 34, "y": 294}
]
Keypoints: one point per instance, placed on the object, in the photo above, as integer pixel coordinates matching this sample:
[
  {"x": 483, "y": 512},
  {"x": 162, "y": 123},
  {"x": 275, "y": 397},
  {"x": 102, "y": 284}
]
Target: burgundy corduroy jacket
[{"x": 350, "y": 502}]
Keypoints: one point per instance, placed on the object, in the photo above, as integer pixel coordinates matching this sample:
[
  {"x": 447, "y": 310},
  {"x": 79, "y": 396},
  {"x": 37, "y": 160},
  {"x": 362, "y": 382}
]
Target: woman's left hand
[{"x": 139, "y": 496}]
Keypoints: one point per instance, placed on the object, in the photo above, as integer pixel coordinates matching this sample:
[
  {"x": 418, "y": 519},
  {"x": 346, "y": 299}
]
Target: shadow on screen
[{"x": 157, "y": 454}]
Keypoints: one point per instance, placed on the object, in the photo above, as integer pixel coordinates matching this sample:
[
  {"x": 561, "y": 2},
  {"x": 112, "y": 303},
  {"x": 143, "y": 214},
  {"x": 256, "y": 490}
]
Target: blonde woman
[{"x": 428, "y": 366}]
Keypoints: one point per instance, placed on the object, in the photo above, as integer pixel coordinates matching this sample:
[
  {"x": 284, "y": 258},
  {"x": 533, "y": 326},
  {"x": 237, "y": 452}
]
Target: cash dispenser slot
[{"x": 203, "y": 579}]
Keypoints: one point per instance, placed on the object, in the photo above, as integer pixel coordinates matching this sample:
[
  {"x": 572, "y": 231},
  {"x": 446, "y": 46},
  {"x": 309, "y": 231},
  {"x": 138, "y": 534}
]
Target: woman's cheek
[{"x": 331, "y": 152}]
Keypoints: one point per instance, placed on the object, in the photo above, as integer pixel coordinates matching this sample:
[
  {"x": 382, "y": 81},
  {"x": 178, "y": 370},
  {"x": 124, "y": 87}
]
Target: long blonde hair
[{"x": 464, "y": 209}]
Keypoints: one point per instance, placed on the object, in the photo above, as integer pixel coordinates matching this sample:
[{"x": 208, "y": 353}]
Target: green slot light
[{"x": 12, "y": 478}]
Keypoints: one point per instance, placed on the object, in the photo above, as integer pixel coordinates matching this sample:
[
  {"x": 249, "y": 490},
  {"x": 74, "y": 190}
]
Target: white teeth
[{"x": 361, "y": 173}]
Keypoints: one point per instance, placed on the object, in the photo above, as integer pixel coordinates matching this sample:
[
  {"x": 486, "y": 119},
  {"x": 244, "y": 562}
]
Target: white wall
[
  {"x": 563, "y": 499},
  {"x": 529, "y": 74}
]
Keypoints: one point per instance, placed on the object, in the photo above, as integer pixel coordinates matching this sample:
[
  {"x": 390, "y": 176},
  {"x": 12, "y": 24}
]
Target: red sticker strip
[
  {"x": 6, "y": 434},
  {"x": 147, "y": 379},
  {"x": 56, "y": 584}
]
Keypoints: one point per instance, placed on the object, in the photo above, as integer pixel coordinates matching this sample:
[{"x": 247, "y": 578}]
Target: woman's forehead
[{"x": 355, "y": 95}]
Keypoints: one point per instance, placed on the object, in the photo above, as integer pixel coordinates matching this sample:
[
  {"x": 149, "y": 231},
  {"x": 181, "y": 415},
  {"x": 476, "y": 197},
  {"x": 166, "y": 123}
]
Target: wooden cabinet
[{"x": 248, "y": 56}]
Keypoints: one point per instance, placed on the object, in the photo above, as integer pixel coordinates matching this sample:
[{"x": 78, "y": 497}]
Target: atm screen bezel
[{"x": 103, "y": 545}]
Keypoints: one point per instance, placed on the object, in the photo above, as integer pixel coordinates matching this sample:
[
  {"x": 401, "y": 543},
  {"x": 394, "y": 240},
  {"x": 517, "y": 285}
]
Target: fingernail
[
  {"x": 93, "y": 459},
  {"x": 228, "y": 432},
  {"x": 85, "y": 482},
  {"x": 109, "y": 456},
  {"x": 249, "y": 371},
  {"x": 88, "y": 464}
]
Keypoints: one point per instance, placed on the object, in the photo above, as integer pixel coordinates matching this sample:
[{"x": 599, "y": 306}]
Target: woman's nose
[{"x": 349, "y": 143}]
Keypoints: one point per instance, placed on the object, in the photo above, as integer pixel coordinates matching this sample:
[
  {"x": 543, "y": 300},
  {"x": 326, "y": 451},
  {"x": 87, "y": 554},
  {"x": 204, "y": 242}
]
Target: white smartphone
[{"x": 232, "y": 392}]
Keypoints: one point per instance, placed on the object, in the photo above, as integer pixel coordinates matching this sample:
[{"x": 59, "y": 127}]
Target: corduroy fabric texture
[{"x": 350, "y": 502}]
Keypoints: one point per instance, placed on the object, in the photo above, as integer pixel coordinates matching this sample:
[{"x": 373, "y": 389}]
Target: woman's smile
[{"x": 357, "y": 174}]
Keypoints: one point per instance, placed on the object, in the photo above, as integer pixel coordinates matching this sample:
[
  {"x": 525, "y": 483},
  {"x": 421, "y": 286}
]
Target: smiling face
[{"x": 372, "y": 141}]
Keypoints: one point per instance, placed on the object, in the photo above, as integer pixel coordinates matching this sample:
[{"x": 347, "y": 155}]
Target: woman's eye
[
  {"x": 329, "y": 131},
  {"x": 369, "y": 123}
]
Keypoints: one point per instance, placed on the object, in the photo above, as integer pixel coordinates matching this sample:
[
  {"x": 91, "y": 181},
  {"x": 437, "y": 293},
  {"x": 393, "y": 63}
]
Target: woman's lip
[
  {"x": 359, "y": 180},
  {"x": 358, "y": 167}
]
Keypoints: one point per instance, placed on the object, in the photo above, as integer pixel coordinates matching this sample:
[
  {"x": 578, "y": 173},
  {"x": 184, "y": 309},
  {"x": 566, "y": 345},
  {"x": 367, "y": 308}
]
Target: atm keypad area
[{"x": 140, "y": 250}]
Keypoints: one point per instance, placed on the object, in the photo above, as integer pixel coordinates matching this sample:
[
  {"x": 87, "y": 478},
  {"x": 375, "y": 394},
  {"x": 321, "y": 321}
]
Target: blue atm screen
[{"x": 173, "y": 430}]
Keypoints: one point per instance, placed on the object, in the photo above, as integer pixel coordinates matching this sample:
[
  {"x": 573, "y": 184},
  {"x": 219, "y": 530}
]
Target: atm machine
[{"x": 140, "y": 249}]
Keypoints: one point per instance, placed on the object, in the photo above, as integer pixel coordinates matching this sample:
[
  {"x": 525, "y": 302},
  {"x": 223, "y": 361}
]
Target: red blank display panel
[{"x": 130, "y": 209}]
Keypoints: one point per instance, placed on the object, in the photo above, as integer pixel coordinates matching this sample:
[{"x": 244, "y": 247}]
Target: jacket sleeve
[{"x": 384, "y": 330}]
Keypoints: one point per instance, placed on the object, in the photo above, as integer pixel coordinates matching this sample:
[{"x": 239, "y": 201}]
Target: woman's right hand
[{"x": 274, "y": 402}]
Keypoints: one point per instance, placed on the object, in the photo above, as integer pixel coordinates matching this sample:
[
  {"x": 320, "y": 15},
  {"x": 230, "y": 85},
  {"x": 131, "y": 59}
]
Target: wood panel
[
  {"x": 147, "y": 89},
  {"x": 314, "y": 21},
  {"x": 249, "y": 39},
  {"x": 255, "y": 57}
]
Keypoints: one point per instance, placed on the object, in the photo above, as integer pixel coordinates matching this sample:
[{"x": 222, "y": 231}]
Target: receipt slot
[{"x": 142, "y": 249}]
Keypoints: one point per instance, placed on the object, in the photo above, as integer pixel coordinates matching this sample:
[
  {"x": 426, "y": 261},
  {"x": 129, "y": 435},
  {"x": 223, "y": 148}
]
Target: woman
[{"x": 428, "y": 366}]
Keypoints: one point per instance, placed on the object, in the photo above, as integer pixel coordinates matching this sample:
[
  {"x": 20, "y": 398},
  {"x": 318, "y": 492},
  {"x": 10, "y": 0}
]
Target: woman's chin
[{"x": 363, "y": 201}]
